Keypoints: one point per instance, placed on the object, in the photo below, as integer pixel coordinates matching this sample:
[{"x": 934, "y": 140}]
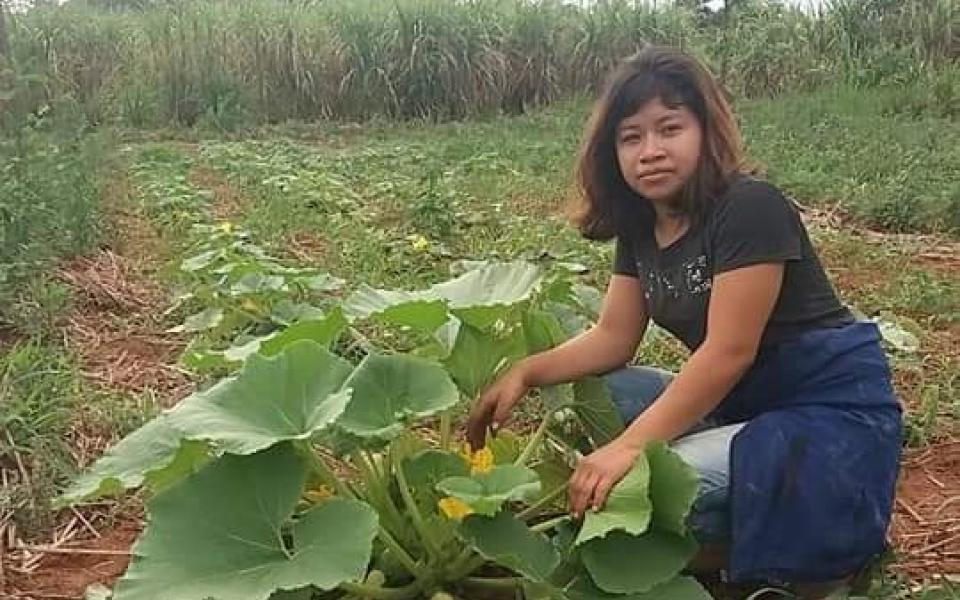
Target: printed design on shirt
[
  {"x": 697, "y": 275},
  {"x": 692, "y": 277}
]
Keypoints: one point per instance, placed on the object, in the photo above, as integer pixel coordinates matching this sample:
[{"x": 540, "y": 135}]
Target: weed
[{"x": 39, "y": 390}]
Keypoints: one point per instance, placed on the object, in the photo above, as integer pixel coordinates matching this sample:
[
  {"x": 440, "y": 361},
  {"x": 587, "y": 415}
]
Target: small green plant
[
  {"x": 244, "y": 295},
  {"x": 434, "y": 206},
  {"x": 39, "y": 306}
]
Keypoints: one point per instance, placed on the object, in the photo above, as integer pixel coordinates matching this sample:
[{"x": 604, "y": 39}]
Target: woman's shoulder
[
  {"x": 749, "y": 196},
  {"x": 745, "y": 187}
]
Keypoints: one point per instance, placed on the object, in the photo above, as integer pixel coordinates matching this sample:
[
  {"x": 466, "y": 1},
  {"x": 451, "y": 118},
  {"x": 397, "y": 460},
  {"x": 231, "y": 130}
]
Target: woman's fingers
[
  {"x": 479, "y": 422},
  {"x": 492, "y": 410},
  {"x": 582, "y": 486},
  {"x": 501, "y": 412},
  {"x": 600, "y": 492}
]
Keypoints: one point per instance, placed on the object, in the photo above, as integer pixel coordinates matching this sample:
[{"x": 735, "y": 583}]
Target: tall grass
[
  {"x": 49, "y": 205},
  {"x": 230, "y": 63}
]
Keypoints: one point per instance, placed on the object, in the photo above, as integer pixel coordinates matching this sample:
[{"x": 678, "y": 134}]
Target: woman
[{"x": 785, "y": 406}]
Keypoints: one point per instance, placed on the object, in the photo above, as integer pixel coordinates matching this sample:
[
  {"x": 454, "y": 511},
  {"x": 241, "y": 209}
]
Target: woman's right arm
[{"x": 609, "y": 344}]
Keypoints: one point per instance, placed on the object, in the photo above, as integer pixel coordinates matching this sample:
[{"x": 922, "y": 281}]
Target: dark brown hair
[{"x": 607, "y": 204}]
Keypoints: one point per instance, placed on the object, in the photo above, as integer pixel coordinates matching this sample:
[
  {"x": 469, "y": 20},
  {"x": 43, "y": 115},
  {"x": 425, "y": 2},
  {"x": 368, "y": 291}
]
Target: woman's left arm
[{"x": 741, "y": 302}]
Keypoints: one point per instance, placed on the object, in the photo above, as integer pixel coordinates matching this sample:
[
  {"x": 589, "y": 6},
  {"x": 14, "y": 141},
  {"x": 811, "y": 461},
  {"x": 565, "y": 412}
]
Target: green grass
[
  {"x": 39, "y": 392},
  {"x": 855, "y": 150},
  {"x": 49, "y": 210},
  {"x": 47, "y": 409}
]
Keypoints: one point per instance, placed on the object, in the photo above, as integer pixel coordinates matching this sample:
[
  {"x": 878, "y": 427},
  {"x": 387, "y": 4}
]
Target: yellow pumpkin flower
[
  {"x": 226, "y": 227},
  {"x": 319, "y": 494},
  {"x": 420, "y": 243},
  {"x": 454, "y": 509},
  {"x": 480, "y": 461}
]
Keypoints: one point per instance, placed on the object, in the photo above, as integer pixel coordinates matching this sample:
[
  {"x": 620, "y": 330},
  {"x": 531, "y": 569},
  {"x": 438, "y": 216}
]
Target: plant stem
[
  {"x": 379, "y": 593},
  {"x": 534, "y": 508},
  {"x": 446, "y": 428},
  {"x": 534, "y": 441},
  {"x": 366, "y": 457},
  {"x": 494, "y": 583},
  {"x": 549, "y": 524},
  {"x": 402, "y": 555},
  {"x": 563, "y": 445},
  {"x": 415, "y": 515},
  {"x": 378, "y": 494},
  {"x": 465, "y": 565},
  {"x": 461, "y": 559},
  {"x": 319, "y": 466}
]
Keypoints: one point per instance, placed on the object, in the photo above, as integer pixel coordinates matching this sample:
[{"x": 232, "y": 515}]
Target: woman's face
[{"x": 658, "y": 149}]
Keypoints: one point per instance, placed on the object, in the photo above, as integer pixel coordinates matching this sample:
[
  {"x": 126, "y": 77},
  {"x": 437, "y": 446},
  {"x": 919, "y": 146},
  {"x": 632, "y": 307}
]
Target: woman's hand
[
  {"x": 597, "y": 473},
  {"x": 492, "y": 410}
]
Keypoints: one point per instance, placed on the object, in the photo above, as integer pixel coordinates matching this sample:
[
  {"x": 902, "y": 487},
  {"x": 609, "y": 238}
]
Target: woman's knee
[
  {"x": 708, "y": 453},
  {"x": 633, "y": 389}
]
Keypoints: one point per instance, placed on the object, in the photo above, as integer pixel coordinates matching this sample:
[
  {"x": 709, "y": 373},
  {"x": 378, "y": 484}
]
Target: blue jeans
[{"x": 705, "y": 447}]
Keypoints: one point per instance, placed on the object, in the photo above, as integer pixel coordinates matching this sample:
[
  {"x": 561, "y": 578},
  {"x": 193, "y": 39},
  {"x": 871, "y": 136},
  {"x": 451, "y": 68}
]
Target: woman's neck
[{"x": 670, "y": 225}]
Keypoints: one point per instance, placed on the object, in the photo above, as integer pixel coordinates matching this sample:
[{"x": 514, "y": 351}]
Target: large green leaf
[
  {"x": 571, "y": 320},
  {"x": 506, "y": 447},
  {"x": 285, "y": 312},
  {"x": 306, "y": 593},
  {"x": 628, "y": 507},
  {"x": 542, "y": 331},
  {"x": 202, "y": 360},
  {"x": 445, "y": 336},
  {"x": 479, "y": 297},
  {"x": 320, "y": 282},
  {"x": 592, "y": 403},
  {"x": 628, "y": 564},
  {"x": 589, "y": 299},
  {"x": 673, "y": 488},
  {"x": 421, "y": 310},
  {"x": 484, "y": 295},
  {"x": 202, "y": 260},
  {"x": 477, "y": 356},
  {"x": 486, "y": 492},
  {"x": 389, "y": 391},
  {"x": 286, "y": 397},
  {"x": 323, "y": 331},
  {"x": 553, "y": 473},
  {"x": 155, "y": 455},
  {"x": 224, "y": 534},
  {"x": 678, "y": 588},
  {"x": 201, "y": 321},
  {"x": 428, "y": 468},
  {"x": 257, "y": 283},
  {"x": 509, "y": 542}
]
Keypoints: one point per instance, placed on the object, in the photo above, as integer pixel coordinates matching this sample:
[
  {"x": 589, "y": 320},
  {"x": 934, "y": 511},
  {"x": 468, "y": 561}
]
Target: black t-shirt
[{"x": 751, "y": 223}]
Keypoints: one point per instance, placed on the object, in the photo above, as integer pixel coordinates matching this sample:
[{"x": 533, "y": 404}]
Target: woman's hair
[{"x": 607, "y": 204}]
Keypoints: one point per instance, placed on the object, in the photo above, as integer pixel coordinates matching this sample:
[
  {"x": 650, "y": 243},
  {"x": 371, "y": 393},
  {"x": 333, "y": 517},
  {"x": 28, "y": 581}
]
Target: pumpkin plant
[
  {"x": 307, "y": 476},
  {"x": 242, "y": 296}
]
